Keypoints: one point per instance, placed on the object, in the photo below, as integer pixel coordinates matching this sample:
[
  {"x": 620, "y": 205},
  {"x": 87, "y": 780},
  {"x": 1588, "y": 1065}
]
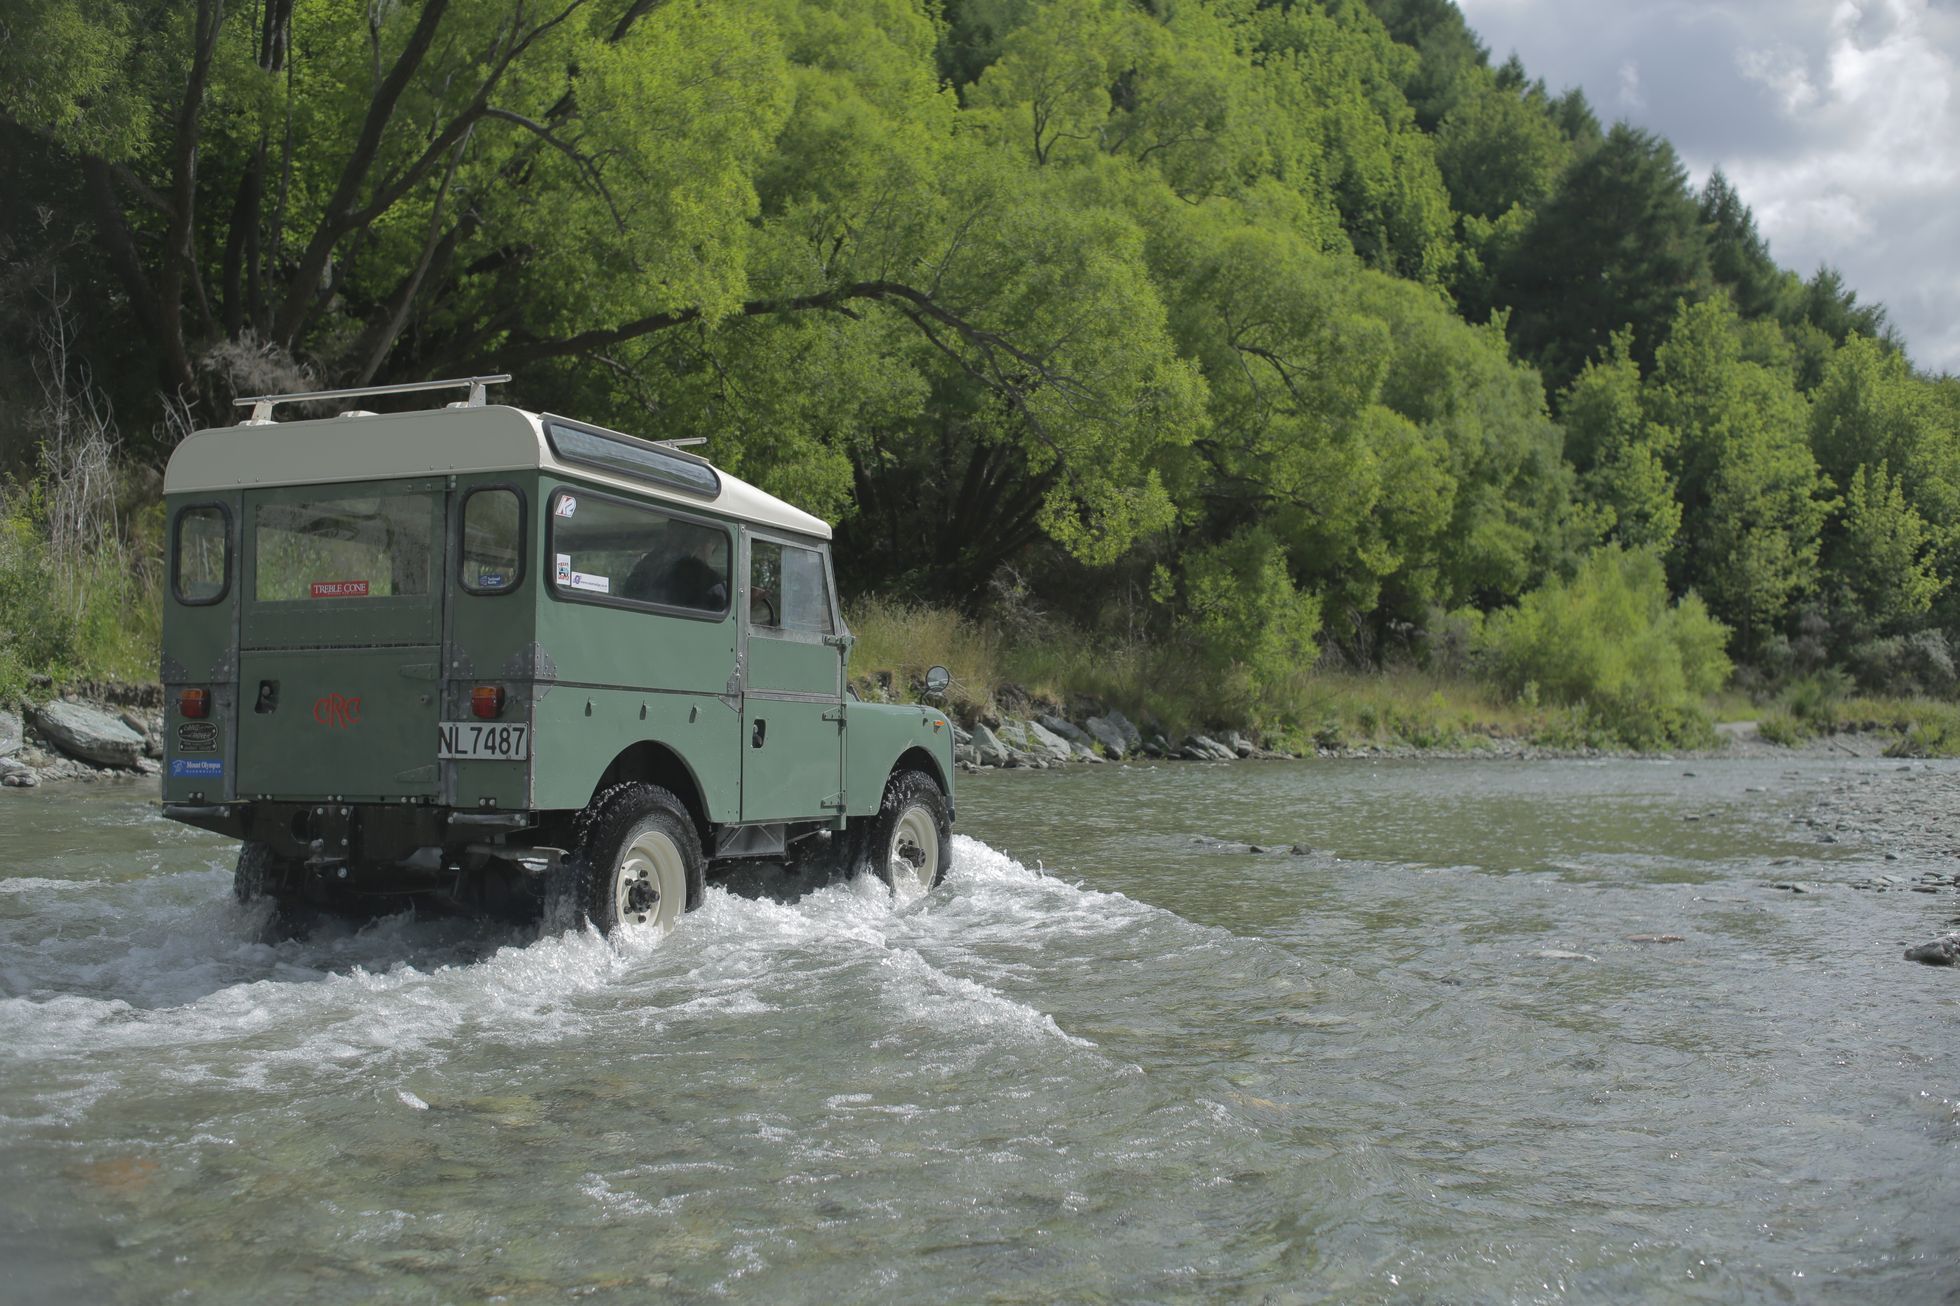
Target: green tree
[
  {"x": 1738, "y": 257},
  {"x": 1879, "y": 557},
  {"x": 1752, "y": 499},
  {"x": 1618, "y": 244},
  {"x": 1621, "y": 457},
  {"x": 1498, "y": 148},
  {"x": 1344, "y": 130}
]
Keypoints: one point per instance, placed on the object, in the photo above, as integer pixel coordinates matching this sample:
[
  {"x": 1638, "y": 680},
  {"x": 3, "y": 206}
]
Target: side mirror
[{"x": 937, "y": 678}]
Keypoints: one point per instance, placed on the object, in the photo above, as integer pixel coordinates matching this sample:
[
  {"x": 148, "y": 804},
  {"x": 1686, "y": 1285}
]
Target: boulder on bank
[
  {"x": 988, "y": 750},
  {"x": 11, "y": 732},
  {"x": 1067, "y": 730},
  {"x": 89, "y": 734},
  {"x": 16, "y": 774},
  {"x": 1203, "y": 748},
  {"x": 1032, "y": 738},
  {"x": 1106, "y": 733}
]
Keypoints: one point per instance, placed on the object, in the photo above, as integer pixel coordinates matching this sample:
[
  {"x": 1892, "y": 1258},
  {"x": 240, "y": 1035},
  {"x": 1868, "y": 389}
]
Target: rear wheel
[
  {"x": 912, "y": 837},
  {"x": 638, "y": 860},
  {"x": 263, "y": 875}
]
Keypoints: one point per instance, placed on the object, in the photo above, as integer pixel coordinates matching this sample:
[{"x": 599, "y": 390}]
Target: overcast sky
[{"x": 1837, "y": 120}]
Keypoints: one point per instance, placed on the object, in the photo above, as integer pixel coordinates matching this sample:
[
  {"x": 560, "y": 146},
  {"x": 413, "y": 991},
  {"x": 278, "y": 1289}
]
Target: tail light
[
  {"x": 194, "y": 704},
  {"x": 487, "y": 702}
]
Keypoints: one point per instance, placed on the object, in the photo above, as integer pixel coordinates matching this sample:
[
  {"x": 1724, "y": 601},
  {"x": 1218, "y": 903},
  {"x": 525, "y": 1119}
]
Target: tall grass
[
  {"x": 96, "y": 615},
  {"x": 81, "y": 580}
]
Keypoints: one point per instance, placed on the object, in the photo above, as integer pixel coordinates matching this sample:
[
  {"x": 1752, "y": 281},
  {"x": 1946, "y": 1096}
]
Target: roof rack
[{"x": 262, "y": 405}]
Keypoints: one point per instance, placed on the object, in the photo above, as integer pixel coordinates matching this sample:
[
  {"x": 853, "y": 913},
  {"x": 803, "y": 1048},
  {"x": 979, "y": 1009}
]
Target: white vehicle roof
[{"x": 363, "y": 446}]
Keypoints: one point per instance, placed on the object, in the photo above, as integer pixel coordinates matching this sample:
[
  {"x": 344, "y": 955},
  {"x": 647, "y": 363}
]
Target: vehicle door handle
[{"x": 761, "y": 731}]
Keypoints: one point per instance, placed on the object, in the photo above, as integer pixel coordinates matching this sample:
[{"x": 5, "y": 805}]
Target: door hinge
[
  {"x": 838, "y": 641},
  {"x": 420, "y": 670},
  {"x": 417, "y": 775},
  {"x": 836, "y": 800},
  {"x": 835, "y": 714}
]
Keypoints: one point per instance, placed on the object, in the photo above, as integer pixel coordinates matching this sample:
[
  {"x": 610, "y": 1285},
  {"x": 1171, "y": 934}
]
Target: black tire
[
  {"x": 911, "y": 843},
  {"x": 637, "y": 851},
  {"x": 260, "y": 873},
  {"x": 263, "y": 875}
]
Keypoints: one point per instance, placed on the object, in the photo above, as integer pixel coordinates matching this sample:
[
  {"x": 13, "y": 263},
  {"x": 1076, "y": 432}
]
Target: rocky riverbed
[{"x": 1911, "y": 817}]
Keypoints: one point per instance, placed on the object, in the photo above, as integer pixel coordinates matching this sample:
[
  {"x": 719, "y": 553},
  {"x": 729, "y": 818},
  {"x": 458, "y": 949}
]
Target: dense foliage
[{"x": 1263, "y": 328}]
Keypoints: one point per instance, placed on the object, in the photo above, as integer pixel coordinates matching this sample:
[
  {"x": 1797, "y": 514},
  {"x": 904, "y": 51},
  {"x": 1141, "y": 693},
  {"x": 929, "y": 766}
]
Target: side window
[
  {"x": 200, "y": 564},
  {"x": 606, "y": 550},
  {"x": 493, "y": 541},
  {"x": 788, "y": 590}
]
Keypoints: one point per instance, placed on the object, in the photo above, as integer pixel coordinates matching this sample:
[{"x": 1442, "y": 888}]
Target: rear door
[{"x": 339, "y": 657}]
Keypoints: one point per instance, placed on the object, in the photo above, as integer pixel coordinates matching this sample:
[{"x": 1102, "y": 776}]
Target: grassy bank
[
  {"x": 995, "y": 672},
  {"x": 92, "y": 613}
]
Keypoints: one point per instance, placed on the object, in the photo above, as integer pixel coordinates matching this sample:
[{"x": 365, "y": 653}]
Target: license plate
[{"x": 481, "y": 740}]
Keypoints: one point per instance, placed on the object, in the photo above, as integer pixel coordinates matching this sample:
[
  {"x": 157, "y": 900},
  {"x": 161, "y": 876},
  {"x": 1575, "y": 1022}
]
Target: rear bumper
[{"x": 357, "y": 832}]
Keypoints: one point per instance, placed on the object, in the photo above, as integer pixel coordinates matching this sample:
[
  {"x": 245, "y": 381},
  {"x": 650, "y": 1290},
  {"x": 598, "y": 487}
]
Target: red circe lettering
[{"x": 335, "y": 710}]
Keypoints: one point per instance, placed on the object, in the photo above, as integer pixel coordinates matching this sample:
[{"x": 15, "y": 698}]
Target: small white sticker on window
[
  {"x": 567, "y": 506},
  {"x": 585, "y": 580},
  {"x": 564, "y": 569}
]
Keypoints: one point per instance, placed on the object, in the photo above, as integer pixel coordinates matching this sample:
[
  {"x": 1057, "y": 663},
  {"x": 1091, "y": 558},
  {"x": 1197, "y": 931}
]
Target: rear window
[
  {"x": 492, "y": 558},
  {"x": 608, "y": 551},
  {"x": 368, "y": 546},
  {"x": 200, "y": 561}
]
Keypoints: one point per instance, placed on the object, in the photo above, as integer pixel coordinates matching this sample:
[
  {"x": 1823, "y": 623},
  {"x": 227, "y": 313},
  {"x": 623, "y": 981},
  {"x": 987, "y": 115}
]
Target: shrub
[
  {"x": 1780, "y": 727},
  {"x": 1244, "y": 615},
  {"x": 1609, "y": 642}
]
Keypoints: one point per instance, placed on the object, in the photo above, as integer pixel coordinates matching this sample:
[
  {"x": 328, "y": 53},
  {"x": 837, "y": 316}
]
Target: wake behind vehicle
[{"x": 453, "y": 652}]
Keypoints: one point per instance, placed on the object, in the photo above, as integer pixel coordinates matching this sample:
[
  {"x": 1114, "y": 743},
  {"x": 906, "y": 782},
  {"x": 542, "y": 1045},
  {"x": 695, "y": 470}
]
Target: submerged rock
[
  {"x": 89, "y": 734},
  {"x": 1943, "y": 951}
]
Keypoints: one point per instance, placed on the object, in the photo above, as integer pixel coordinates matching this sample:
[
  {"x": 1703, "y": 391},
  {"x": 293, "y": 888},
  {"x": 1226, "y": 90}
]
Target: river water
[{"x": 1116, "y": 1057}]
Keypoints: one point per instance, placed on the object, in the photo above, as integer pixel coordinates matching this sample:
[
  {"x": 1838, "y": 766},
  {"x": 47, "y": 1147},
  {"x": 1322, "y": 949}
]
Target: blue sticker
[
  {"x": 490, "y": 580},
  {"x": 197, "y": 766}
]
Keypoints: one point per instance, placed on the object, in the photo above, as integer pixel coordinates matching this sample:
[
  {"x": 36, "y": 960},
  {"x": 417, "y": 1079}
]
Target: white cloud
[
  {"x": 1837, "y": 120},
  {"x": 1630, "y": 96}
]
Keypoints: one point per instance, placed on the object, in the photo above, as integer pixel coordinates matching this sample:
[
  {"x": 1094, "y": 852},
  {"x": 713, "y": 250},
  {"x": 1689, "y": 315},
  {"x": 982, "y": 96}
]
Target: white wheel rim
[
  {"x": 650, "y": 883},
  {"x": 912, "y": 860}
]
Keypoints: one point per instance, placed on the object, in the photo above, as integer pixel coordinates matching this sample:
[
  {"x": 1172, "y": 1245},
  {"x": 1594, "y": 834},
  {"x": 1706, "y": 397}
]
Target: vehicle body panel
[{"x": 327, "y": 685}]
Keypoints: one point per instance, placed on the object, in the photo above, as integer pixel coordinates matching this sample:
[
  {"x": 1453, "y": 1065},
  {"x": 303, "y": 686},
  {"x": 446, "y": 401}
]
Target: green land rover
[{"x": 462, "y": 653}]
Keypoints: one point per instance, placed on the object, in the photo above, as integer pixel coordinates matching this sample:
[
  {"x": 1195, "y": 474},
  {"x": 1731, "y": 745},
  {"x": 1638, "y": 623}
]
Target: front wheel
[
  {"x": 639, "y": 860},
  {"x": 912, "y": 837}
]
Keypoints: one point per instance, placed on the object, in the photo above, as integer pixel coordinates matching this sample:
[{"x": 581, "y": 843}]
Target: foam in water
[{"x": 183, "y": 977}]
